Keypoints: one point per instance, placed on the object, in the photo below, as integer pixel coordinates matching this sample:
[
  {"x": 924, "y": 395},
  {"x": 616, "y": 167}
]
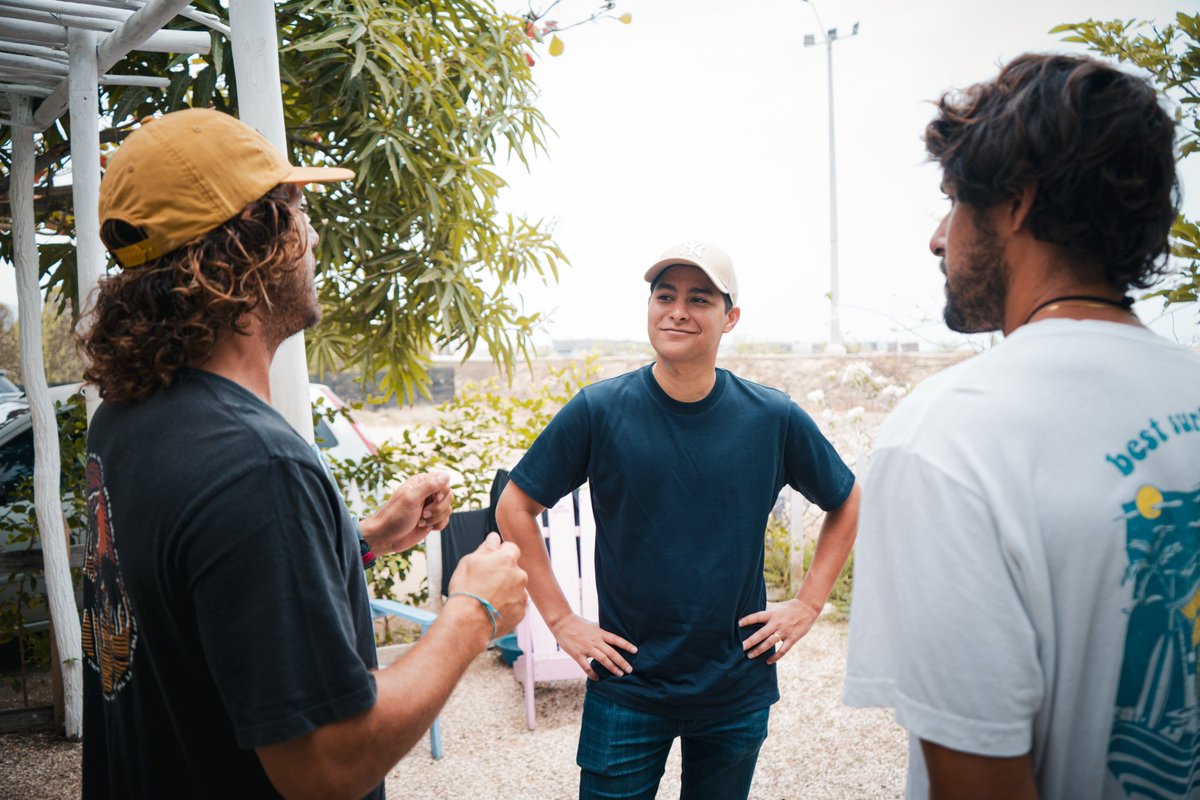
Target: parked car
[
  {"x": 340, "y": 437},
  {"x": 12, "y": 398},
  {"x": 16, "y": 465},
  {"x": 16, "y": 442},
  {"x": 8, "y": 389}
]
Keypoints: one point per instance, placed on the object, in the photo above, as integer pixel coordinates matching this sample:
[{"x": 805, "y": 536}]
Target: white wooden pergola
[{"x": 53, "y": 56}]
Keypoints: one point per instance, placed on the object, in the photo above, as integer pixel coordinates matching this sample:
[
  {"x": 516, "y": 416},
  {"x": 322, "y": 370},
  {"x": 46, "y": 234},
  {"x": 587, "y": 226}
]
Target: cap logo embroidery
[{"x": 692, "y": 250}]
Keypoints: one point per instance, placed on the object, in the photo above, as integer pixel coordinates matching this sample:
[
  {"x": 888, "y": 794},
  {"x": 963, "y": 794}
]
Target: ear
[
  {"x": 731, "y": 319},
  {"x": 1017, "y": 208}
]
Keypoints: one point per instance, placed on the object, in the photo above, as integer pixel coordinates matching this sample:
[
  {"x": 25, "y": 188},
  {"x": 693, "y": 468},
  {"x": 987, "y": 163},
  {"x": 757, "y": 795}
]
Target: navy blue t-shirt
[{"x": 681, "y": 494}]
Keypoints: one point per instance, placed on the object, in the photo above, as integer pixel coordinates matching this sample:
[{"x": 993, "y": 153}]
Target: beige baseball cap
[
  {"x": 181, "y": 175},
  {"x": 714, "y": 261}
]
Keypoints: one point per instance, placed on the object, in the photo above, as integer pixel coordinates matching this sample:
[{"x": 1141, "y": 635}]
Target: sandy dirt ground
[{"x": 817, "y": 748}]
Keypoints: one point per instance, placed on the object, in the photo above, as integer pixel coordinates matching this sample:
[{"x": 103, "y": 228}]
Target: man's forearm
[
  {"x": 350, "y": 757},
  {"x": 523, "y": 530},
  {"x": 413, "y": 690},
  {"x": 834, "y": 545}
]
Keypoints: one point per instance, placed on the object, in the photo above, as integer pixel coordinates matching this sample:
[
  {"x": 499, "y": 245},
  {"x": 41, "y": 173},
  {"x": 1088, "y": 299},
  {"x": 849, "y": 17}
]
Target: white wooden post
[
  {"x": 85, "y": 175},
  {"x": 433, "y": 568},
  {"x": 47, "y": 463},
  {"x": 255, "y": 47}
]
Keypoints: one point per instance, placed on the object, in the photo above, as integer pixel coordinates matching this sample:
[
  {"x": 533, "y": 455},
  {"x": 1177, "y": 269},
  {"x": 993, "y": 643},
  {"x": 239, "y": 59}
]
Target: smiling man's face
[{"x": 686, "y": 316}]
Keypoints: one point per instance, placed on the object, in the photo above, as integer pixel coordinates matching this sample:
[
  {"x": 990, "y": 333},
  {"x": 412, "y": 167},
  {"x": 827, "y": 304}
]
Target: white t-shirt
[{"x": 1027, "y": 575}]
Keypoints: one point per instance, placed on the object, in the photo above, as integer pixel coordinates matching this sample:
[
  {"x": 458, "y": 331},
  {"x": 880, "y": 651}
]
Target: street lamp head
[
  {"x": 854, "y": 31},
  {"x": 809, "y": 39},
  {"x": 831, "y": 33}
]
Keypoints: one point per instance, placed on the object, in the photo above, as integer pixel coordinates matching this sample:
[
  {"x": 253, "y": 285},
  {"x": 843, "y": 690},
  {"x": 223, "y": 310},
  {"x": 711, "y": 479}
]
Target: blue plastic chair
[
  {"x": 391, "y": 608},
  {"x": 385, "y": 608},
  {"x": 464, "y": 532}
]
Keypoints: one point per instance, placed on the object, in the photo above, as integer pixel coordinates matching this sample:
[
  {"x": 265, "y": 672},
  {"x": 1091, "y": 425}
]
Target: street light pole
[{"x": 831, "y": 36}]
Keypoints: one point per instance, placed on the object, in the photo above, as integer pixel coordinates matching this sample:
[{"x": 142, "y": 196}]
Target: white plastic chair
[{"x": 572, "y": 556}]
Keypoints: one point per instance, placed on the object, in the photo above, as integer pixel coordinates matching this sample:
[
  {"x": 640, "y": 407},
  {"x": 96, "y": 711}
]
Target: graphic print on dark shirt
[{"x": 109, "y": 627}]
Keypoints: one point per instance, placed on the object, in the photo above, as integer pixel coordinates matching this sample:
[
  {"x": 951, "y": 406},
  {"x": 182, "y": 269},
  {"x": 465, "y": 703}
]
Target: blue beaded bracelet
[{"x": 492, "y": 613}]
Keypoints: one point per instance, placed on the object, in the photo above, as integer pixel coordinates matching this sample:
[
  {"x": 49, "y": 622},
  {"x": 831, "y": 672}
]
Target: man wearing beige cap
[
  {"x": 226, "y": 629},
  {"x": 684, "y": 463}
]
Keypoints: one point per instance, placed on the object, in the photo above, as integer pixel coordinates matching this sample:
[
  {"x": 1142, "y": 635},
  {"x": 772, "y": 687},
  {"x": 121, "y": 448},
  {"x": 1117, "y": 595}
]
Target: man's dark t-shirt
[
  {"x": 681, "y": 494},
  {"x": 224, "y": 601}
]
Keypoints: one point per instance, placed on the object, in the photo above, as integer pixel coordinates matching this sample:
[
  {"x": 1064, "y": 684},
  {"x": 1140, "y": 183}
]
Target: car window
[
  {"x": 16, "y": 462},
  {"x": 324, "y": 435}
]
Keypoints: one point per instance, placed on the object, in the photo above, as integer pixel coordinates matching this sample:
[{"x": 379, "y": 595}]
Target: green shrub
[
  {"x": 842, "y": 587},
  {"x": 478, "y": 432},
  {"x": 18, "y": 527},
  {"x": 777, "y": 557}
]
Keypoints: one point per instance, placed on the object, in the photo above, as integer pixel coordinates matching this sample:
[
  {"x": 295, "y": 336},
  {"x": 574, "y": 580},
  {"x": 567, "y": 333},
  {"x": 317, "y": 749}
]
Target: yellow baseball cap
[{"x": 182, "y": 175}]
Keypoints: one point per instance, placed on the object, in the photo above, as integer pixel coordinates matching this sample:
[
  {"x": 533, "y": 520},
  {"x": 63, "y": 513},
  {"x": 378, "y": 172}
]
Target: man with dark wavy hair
[
  {"x": 1027, "y": 584},
  {"x": 226, "y": 625}
]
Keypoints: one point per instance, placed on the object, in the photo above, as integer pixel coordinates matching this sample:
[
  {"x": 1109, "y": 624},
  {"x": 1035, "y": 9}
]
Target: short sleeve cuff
[
  {"x": 307, "y": 720},
  {"x": 835, "y": 501},
  {"x": 529, "y": 487},
  {"x": 980, "y": 737}
]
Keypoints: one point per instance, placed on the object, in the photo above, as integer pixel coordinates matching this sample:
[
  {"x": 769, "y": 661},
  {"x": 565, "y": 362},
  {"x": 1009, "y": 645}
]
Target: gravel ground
[{"x": 817, "y": 747}]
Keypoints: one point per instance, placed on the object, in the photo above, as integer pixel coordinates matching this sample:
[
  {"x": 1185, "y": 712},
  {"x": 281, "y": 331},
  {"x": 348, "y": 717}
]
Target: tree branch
[
  {"x": 61, "y": 151},
  {"x": 304, "y": 141},
  {"x": 55, "y": 198}
]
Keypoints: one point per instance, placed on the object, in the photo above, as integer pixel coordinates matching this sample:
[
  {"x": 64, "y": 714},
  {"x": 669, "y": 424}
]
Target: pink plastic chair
[{"x": 572, "y": 556}]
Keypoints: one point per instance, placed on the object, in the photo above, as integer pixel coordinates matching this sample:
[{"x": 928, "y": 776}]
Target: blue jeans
[{"x": 623, "y": 752}]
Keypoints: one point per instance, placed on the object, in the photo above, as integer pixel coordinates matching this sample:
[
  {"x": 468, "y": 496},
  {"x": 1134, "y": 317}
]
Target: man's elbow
[
  {"x": 304, "y": 770},
  {"x": 514, "y": 505},
  {"x": 313, "y": 780},
  {"x": 848, "y": 510}
]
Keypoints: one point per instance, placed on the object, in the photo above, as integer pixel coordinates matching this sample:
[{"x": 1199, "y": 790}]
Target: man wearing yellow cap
[
  {"x": 226, "y": 628},
  {"x": 684, "y": 462}
]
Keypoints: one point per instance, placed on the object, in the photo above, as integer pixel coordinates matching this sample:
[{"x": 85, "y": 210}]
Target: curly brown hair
[
  {"x": 1095, "y": 141},
  {"x": 153, "y": 320}
]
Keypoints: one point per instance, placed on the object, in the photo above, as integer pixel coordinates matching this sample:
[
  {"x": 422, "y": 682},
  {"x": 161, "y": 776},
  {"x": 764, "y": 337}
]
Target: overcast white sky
[{"x": 708, "y": 119}]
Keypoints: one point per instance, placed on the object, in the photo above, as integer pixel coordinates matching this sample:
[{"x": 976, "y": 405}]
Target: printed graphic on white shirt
[{"x": 1152, "y": 750}]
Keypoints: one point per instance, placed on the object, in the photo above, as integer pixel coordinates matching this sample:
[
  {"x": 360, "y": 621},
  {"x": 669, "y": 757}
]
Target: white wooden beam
[
  {"x": 134, "y": 80},
  {"x": 60, "y": 9},
  {"x": 24, "y": 89},
  {"x": 43, "y": 65},
  {"x": 46, "y": 462},
  {"x": 39, "y": 51},
  {"x": 62, "y": 20},
  {"x": 255, "y": 47},
  {"x": 90, "y": 259},
  {"x": 135, "y": 30},
  {"x": 54, "y": 34},
  {"x": 29, "y": 75},
  {"x": 210, "y": 21}
]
